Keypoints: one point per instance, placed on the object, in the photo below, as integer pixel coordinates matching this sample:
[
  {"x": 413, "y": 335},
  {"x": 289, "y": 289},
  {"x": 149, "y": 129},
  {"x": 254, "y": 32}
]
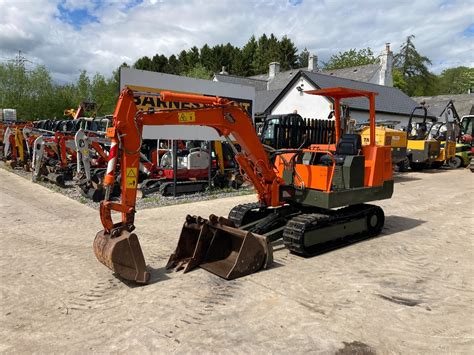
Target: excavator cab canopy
[{"x": 340, "y": 93}]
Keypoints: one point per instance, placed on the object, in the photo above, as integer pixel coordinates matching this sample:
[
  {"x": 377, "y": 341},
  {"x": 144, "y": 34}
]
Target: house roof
[
  {"x": 389, "y": 99},
  {"x": 463, "y": 103},
  {"x": 232, "y": 79},
  {"x": 279, "y": 81},
  {"x": 360, "y": 72},
  {"x": 264, "y": 98}
]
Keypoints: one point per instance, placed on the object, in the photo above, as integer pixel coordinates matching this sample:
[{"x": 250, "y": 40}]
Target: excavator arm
[
  {"x": 119, "y": 249},
  {"x": 220, "y": 114}
]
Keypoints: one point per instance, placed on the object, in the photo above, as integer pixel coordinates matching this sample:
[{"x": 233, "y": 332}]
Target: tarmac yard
[{"x": 410, "y": 290}]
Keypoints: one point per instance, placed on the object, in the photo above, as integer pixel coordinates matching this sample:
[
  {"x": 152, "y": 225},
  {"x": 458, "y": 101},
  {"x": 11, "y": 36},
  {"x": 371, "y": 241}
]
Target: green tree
[
  {"x": 350, "y": 58},
  {"x": 143, "y": 63},
  {"x": 398, "y": 80},
  {"x": 456, "y": 80},
  {"x": 184, "y": 65},
  {"x": 193, "y": 57},
  {"x": 288, "y": 58},
  {"x": 260, "y": 61},
  {"x": 198, "y": 72},
  {"x": 207, "y": 58},
  {"x": 116, "y": 76},
  {"x": 103, "y": 94},
  {"x": 248, "y": 56},
  {"x": 174, "y": 66},
  {"x": 303, "y": 58},
  {"x": 159, "y": 63},
  {"x": 413, "y": 67},
  {"x": 83, "y": 87}
]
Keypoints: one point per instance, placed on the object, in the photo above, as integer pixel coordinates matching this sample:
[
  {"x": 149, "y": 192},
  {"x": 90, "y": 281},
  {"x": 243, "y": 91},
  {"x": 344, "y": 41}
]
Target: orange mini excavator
[{"x": 314, "y": 198}]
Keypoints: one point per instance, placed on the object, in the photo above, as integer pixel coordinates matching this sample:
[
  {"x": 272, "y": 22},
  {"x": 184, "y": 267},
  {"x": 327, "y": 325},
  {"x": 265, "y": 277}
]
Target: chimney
[
  {"x": 386, "y": 64},
  {"x": 273, "y": 70},
  {"x": 223, "y": 71},
  {"x": 312, "y": 62}
]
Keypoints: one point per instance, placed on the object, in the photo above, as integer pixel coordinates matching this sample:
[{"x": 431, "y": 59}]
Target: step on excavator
[{"x": 314, "y": 198}]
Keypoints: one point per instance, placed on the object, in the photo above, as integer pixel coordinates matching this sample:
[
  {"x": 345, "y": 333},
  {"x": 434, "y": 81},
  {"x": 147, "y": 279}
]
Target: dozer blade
[
  {"x": 218, "y": 247},
  {"x": 122, "y": 254}
]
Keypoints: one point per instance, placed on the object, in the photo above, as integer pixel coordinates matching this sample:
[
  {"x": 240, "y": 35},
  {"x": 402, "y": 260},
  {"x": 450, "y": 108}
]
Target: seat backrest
[{"x": 349, "y": 144}]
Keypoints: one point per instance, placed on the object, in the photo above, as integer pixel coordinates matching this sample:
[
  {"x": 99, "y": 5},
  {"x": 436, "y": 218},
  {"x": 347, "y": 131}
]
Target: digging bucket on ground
[
  {"x": 218, "y": 247},
  {"x": 122, "y": 254}
]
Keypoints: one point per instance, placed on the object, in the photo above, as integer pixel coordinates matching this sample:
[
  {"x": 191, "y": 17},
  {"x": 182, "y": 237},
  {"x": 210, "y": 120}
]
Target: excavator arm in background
[{"x": 213, "y": 244}]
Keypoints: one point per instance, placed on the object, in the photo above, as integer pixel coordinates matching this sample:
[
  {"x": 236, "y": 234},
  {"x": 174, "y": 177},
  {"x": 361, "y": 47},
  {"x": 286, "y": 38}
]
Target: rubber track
[
  {"x": 166, "y": 189},
  {"x": 237, "y": 214},
  {"x": 297, "y": 227}
]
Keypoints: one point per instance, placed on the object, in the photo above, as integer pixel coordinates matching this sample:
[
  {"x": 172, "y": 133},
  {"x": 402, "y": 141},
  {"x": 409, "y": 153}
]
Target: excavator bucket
[
  {"x": 218, "y": 247},
  {"x": 122, "y": 254}
]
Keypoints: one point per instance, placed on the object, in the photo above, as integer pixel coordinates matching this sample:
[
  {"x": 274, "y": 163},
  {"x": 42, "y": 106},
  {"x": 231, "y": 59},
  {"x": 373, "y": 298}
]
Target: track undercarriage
[{"x": 308, "y": 231}]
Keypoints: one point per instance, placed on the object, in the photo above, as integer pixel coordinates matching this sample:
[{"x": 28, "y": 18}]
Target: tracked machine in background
[
  {"x": 421, "y": 149},
  {"x": 467, "y": 135},
  {"x": 314, "y": 198},
  {"x": 444, "y": 133}
]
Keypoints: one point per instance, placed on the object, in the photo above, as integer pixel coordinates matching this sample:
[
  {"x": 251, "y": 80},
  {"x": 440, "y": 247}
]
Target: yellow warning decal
[
  {"x": 187, "y": 117},
  {"x": 131, "y": 178}
]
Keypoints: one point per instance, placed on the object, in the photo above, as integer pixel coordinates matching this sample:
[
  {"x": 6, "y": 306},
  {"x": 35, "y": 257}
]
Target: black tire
[
  {"x": 404, "y": 165},
  {"x": 455, "y": 162},
  {"x": 417, "y": 166}
]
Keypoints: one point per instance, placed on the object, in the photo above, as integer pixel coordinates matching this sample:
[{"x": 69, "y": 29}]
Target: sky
[{"x": 68, "y": 36}]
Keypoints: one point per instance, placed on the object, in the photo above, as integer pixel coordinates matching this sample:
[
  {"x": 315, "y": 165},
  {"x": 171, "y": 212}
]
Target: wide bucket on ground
[{"x": 218, "y": 247}]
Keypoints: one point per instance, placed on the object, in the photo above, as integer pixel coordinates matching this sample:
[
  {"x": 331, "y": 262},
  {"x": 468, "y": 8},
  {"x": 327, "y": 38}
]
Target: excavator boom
[{"x": 224, "y": 250}]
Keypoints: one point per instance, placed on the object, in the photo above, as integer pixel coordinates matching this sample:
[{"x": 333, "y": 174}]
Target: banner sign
[{"x": 144, "y": 82}]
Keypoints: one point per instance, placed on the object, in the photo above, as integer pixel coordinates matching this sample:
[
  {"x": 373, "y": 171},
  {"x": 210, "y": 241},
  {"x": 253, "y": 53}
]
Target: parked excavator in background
[
  {"x": 14, "y": 145},
  {"x": 314, "y": 198},
  {"x": 196, "y": 169},
  {"x": 421, "y": 150},
  {"x": 92, "y": 154}
]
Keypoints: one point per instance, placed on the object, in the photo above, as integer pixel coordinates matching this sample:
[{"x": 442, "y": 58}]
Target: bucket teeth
[{"x": 218, "y": 247}]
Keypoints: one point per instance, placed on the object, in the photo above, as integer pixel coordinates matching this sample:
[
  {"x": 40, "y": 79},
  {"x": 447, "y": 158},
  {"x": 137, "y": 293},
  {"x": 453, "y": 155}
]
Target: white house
[{"x": 283, "y": 92}]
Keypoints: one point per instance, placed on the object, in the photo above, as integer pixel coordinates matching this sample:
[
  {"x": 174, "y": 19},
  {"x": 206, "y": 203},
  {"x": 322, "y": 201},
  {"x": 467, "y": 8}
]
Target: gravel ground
[
  {"x": 154, "y": 200},
  {"x": 408, "y": 291}
]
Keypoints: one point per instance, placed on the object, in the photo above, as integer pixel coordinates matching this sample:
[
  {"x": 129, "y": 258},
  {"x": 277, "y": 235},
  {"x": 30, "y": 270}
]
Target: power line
[{"x": 19, "y": 61}]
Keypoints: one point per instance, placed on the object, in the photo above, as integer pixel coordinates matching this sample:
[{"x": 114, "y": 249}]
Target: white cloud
[{"x": 125, "y": 33}]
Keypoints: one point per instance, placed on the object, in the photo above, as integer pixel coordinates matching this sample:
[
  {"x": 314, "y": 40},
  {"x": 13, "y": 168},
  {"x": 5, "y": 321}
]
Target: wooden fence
[{"x": 295, "y": 134}]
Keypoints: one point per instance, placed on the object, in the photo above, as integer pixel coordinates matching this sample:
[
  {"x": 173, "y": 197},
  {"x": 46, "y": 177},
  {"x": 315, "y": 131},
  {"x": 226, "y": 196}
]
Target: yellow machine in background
[
  {"x": 386, "y": 134},
  {"x": 444, "y": 132},
  {"x": 421, "y": 149}
]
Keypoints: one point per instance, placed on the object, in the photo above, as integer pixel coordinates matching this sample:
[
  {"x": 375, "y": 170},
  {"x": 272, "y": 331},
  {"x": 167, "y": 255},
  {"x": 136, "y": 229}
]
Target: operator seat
[{"x": 349, "y": 144}]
